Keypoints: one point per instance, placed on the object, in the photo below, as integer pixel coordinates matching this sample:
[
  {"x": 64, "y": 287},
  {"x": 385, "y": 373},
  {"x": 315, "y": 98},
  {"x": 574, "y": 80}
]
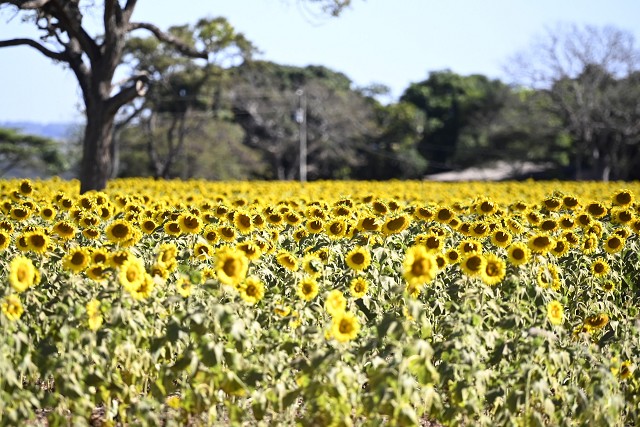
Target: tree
[
  {"x": 269, "y": 101},
  {"x": 459, "y": 111},
  {"x": 183, "y": 94},
  {"x": 29, "y": 152},
  {"x": 392, "y": 152},
  {"x": 94, "y": 58},
  {"x": 589, "y": 74}
]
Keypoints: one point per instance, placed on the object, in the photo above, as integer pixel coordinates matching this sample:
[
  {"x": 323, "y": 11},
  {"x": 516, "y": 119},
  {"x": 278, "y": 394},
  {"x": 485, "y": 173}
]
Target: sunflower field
[{"x": 328, "y": 303}]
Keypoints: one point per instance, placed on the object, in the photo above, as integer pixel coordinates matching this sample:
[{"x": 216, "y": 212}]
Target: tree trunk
[{"x": 97, "y": 162}]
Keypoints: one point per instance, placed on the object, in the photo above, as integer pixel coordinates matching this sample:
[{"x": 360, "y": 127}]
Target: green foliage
[{"x": 19, "y": 151}]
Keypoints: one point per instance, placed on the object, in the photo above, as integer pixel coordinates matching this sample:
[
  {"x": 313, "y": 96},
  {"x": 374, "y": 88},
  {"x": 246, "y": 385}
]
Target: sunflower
[
  {"x": 91, "y": 233},
  {"x": 97, "y": 272},
  {"x": 518, "y": 254},
  {"x": 424, "y": 213},
  {"x": 552, "y": 203},
  {"x": 480, "y": 229},
  {"x": 231, "y": 266},
  {"x": 621, "y": 215},
  {"x": 549, "y": 277},
  {"x": 227, "y": 233},
  {"x": 132, "y": 274},
  {"x": 202, "y": 251},
  {"x": 566, "y": 222},
  {"x": 541, "y": 243},
  {"x": 172, "y": 228},
  {"x": 452, "y": 256},
  {"x": 589, "y": 244},
  {"x": 626, "y": 369},
  {"x": 252, "y": 290},
  {"x": 419, "y": 265},
  {"x": 93, "y": 308},
  {"x": 570, "y": 237},
  {"x": 358, "y": 287},
  {"x": 148, "y": 226},
  {"x": 597, "y": 321},
  {"x": 166, "y": 255},
  {"x": 314, "y": 226},
  {"x": 307, "y": 288},
  {"x": 596, "y": 209},
  {"x": 292, "y": 218},
  {"x": 312, "y": 264},
  {"x": 335, "y": 302},
  {"x": 210, "y": 233},
  {"x": 38, "y": 241},
  {"x": 533, "y": 217},
  {"x": 444, "y": 214},
  {"x": 608, "y": 286},
  {"x": 515, "y": 226},
  {"x": 469, "y": 246},
  {"x": 95, "y": 316},
  {"x": 473, "y": 264},
  {"x": 464, "y": 228},
  {"x": 501, "y": 237},
  {"x": 184, "y": 286},
  {"x": 548, "y": 225},
  {"x": 22, "y": 273},
  {"x": 623, "y": 197},
  {"x": 345, "y": 326},
  {"x": 358, "y": 259},
  {"x": 20, "y": 213},
  {"x": 77, "y": 259},
  {"x": 21, "y": 243},
  {"x": 300, "y": 234},
  {"x": 287, "y": 260},
  {"x": 431, "y": 241},
  {"x": 555, "y": 312},
  {"x": 395, "y": 224},
  {"x": 189, "y": 223},
  {"x": 95, "y": 322},
  {"x": 5, "y": 240},
  {"x": 118, "y": 258},
  {"x": 379, "y": 207},
  {"x": 561, "y": 248},
  {"x": 119, "y": 231},
  {"x": 251, "y": 249},
  {"x": 336, "y": 228},
  {"x": 614, "y": 244},
  {"x": 570, "y": 201},
  {"x": 243, "y": 222},
  {"x": 485, "y": 206},
  {"x": 494, "y": 270},
  {"x": 12, "y": 307},
  {"x": 48, "y": 212},
  {"x": 600, "y": 267}
]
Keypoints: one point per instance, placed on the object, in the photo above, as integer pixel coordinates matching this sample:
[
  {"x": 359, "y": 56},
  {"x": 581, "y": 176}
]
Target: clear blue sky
[{"x": 393, "y": 42}]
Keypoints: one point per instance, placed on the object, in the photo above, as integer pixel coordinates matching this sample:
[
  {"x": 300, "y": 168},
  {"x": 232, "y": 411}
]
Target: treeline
[
  {"x": 237, "y": 118},
  {"x": 575, "y": 114}
]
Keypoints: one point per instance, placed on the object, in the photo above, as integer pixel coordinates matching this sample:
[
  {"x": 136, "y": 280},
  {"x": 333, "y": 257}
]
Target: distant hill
[{"x": 58, "y": 131}]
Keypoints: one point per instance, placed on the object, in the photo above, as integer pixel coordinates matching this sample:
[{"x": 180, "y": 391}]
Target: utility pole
[{"x": 301, "y": 119}]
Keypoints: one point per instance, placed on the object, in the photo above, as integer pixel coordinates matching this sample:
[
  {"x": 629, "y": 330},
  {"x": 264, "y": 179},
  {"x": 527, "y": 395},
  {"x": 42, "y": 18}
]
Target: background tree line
[
  {"x": 576, "y": 112},
  {"x": 197, "y": 104}
]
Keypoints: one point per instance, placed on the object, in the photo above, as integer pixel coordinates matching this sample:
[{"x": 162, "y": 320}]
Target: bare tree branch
[
  {"x": 129, "y": 93},
  {"x": 73, "y": 26},
  {"x": 168, "y": 38},
  {"x": 31, "y": 4},
  {"x": 57, "y": 56}
]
